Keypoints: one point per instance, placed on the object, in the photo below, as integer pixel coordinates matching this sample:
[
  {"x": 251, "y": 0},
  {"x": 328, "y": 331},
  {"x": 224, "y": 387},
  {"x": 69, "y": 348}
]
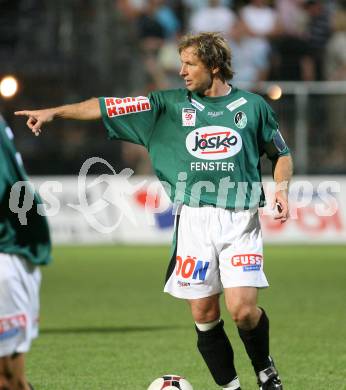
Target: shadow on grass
[{"x": 112, "y": 329}]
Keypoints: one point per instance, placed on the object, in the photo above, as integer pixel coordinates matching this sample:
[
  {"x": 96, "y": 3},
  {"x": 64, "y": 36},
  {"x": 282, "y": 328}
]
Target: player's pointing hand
[{"x": 37, "y": 118}]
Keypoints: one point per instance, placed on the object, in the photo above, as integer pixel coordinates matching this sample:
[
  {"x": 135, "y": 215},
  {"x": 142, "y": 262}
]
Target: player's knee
[
  {"x": 204, "y": 317},
  {"x": 243, "y": 316},
  {"x": 204, "y": 314}
]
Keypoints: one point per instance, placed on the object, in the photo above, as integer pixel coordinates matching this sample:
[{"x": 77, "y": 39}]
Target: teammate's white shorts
[
  {"x": 215, "y": 248},
  {"x": 19, "y": 304}
]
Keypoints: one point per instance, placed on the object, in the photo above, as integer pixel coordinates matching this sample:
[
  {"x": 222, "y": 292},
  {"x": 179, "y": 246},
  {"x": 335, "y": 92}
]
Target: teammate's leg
[
  {"x": 253, "y": 328},
  {"x": 18, "y": 368},
  {"x": 213, "y": 342},
  {"x": 19, "y": 305},
  {"x": 5, "y": 373},
  {"x": 12, "y": 376}
]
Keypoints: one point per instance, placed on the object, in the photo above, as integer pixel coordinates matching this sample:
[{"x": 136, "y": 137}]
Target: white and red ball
[{"x": 170, "y": 382}]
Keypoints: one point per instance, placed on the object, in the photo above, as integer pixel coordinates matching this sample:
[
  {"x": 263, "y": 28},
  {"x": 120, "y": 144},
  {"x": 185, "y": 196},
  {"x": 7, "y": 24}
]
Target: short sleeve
[
  {"x": 271, "y": 141},
  {"x": 130, "y": 119}
]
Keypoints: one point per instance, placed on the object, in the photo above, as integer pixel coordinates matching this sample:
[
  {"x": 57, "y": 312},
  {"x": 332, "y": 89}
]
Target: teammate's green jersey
[
  {"x": 205, "y": 150},
  {"x": 30, "y": 240}
]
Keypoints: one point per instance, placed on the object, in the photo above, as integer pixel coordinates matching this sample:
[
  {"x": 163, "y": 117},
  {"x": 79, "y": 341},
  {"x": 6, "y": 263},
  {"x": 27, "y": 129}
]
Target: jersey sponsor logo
[
  {"x": 213, "y": 142},
  {"x": 215, "y": 114},
  {"x": 212, "y": 166},
  {"x": 188, "y": 116},
  {"x": 237, "y": 103},
  {"x": 249, "y": 262},
  {"x": 191, "y": 268},
  {"x": 183, "y": 284},
  {"x": 196, "y": 104},
  {"x": 240, "y": 119},
  {"x": 11, "y": 326},
  {"x": 128, "y": 105}
]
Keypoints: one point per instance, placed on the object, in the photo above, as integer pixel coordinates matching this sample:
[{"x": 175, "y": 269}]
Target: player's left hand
[{"x": 281, "y": 206}]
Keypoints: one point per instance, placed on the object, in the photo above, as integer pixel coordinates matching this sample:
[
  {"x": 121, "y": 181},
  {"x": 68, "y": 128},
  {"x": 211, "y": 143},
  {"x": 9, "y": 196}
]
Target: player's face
[{"x": 197, "y": 77}]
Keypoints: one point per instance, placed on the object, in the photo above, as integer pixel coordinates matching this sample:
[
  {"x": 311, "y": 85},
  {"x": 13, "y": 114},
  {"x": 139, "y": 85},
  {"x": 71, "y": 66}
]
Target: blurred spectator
[
  {"x": 318, "y": 33},
  {"x": 213, "y": 17},
  {"x": 194, "y": 5},
  {"x": 150, "y": 30},
  {"x": 292, "y": 16},
  {"x": 170, "y": 63},
  {"x": 262, "y": 21},
  {"x": 150, "y": 12},
  {"x": 291, "y": 61},
  {"x": 257, "y": 25},
  {"x": 130, "y": 8},
  {"x": 167, "y": 18},
  {"x": 151, "y": 35},
  {"x": 250, "y": 61},
  {"x": 335, "y": 69},
  {"x": 335, "y": 61}
]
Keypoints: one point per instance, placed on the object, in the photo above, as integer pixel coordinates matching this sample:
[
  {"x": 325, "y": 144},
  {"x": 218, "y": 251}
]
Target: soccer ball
[{"x": 170, "y": 382}]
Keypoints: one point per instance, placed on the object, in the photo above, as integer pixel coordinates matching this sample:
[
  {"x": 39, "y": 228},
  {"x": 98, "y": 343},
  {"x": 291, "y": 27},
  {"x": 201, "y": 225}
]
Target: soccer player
[
  {"x": 24, "y": 245},
  {"x": 205, "y": 142}
]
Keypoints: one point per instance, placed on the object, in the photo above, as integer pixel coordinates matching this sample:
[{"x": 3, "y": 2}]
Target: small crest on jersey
[
  {"x": 128, "y": 105},
  {"x": 189, "y": 116},
  {"x": 198, "y": 105},
  {"x": 240, "y": 119},
  {"x": 237, "y": 103}
]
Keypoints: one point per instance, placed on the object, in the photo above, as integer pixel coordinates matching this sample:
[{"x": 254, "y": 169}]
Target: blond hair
[{"x": 212, "y": 49}]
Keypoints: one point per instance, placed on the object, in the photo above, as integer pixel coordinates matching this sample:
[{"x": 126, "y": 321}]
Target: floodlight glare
[
  {"x": 8, "y": 86},
  {"x": 274, "y": 92}
]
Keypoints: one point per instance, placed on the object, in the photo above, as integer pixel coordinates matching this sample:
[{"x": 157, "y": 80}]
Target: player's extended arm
[
  {"x": 283, "y": 170},
  {"x": 87, "y": 110}
]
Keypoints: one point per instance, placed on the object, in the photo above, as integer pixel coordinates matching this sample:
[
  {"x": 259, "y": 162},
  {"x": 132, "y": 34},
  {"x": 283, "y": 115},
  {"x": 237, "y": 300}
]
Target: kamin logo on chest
[
  {"x": 128, "y": 105},
  {"x": 213, "y": 143}
]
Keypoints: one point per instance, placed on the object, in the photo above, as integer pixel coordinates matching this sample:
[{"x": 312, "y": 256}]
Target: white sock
[
  {"x": 234, "y": 385},
  {"x": 208, "y": 325}
]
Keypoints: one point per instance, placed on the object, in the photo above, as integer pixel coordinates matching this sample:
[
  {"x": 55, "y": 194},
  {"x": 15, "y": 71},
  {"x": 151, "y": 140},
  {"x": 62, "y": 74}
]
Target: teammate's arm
[
  {"x": 86, "y": 110},
  {"x": 282, "y": 172}
]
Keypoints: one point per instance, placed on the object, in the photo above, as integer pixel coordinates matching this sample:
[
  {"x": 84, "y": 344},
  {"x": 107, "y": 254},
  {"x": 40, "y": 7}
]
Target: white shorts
[
  {"x": 19, "y": 304},
  {"x": 215, "y": 248}
]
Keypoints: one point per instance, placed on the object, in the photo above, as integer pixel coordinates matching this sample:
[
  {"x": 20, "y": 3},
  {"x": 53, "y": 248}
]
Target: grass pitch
[{"x": 106, "y": 325}]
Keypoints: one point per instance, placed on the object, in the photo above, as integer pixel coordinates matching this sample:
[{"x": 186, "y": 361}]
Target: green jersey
[
  {"x": 30, "y": 240},
  {"x": 205, "y": 150}
]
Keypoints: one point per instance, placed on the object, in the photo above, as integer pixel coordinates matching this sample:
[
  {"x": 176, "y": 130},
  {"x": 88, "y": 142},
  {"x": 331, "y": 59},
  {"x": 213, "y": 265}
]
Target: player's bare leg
[
  {"x": 5, "y": 373},
  {"x": 12, "y": 375},
  {"x": 205, "y": 310},
  {"x": 241, "y": 302},
  {"x": 213, "y": 342},
  {"x": 253, "y": 328}
]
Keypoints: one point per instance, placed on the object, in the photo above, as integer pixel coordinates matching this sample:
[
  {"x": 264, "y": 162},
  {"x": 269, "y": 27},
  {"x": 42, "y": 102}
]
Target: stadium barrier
[{"x": 114, "y": 209}]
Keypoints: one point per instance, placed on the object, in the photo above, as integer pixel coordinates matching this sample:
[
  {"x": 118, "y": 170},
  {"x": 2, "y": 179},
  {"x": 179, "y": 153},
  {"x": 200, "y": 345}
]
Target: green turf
[{"x": 105, "y": 324}]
